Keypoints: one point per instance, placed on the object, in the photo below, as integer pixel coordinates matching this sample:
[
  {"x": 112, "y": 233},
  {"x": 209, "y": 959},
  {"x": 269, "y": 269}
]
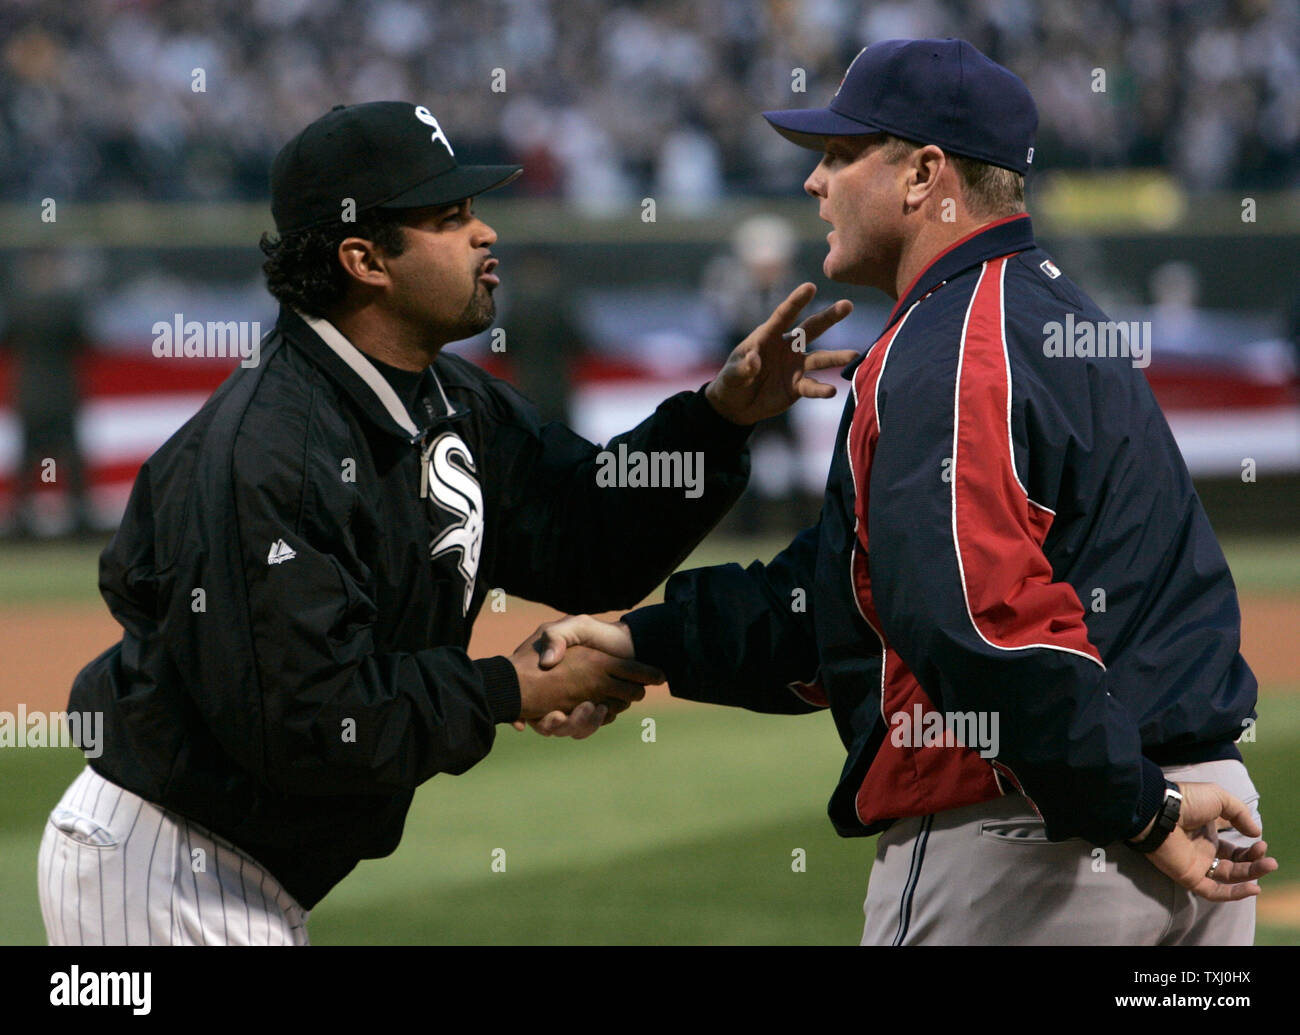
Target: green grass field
[
  {"x": 685, "y": 840},
  {"x": 39, "y": 574}
]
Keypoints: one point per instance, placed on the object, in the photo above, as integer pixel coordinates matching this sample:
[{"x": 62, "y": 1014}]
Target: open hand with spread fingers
[
  {"x": 1194, "y": 855},
  {"x": 767, "y": 372}
]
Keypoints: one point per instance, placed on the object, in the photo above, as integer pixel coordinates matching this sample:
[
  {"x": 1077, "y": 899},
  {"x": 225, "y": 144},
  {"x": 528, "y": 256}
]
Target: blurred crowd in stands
[{"x": 606, "y": 102}]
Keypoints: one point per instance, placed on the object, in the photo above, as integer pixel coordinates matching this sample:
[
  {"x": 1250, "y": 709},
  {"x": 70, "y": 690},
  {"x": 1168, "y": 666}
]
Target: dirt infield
[
  {"x": 1279, "y": 904},
  {"x": 42, "y": 648}
]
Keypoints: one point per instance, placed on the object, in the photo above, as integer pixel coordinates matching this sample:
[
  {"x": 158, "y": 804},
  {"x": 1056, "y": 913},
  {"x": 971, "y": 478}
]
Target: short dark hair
[
  {"x": 302, "y": 268},
  {"x": 989, "y": 190}
]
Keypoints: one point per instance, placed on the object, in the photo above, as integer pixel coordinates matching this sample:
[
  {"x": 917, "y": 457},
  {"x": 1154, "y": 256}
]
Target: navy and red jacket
[{"x": 1006, "y": 532}]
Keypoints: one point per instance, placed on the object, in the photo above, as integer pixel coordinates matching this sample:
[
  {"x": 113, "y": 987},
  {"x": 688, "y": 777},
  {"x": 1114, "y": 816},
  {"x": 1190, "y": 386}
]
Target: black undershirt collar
[{"x": 415, "y": 388}]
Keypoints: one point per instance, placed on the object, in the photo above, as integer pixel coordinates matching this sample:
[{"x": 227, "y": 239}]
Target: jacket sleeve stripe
[
  {"x": 1006, "y": 580},
  {"x": 864, "y": 429},
  {"x": 859, "y": 441},
  {"x": 1006, "y": 355},
  {"x": 1006, "y": 368},
  {"x": 810, "y": 693}
]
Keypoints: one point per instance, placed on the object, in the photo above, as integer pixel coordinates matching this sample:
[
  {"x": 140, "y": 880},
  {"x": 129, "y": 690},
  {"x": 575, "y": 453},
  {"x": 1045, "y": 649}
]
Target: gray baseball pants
[{"x": 986, "y": 875}]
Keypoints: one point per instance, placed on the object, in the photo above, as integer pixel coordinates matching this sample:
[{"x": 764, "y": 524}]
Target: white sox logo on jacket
[{"x": 452, "y": 482}]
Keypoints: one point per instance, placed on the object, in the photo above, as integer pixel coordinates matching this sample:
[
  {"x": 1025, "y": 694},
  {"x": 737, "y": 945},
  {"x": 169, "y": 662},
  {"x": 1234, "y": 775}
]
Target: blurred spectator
[
  {"x": 1175, "y": 293},
  {"x": 46, "y": 331},
  {"x": 744, "y": 287},
  {"x": 1292, "y": 329},
  {"x": 689, "y": 173},
  {"x": 542, "y": 338},
  {"x": 102, "y": 99}
]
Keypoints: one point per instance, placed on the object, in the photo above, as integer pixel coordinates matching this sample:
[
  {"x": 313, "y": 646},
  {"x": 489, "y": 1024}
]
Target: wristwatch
[{"x": 1166, "y": 820}]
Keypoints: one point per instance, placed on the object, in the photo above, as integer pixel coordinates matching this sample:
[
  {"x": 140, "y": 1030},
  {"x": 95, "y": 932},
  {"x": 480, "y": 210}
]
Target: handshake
[
  {"x": 579, "y": 673},
  {"x": 576, "y": 675}
]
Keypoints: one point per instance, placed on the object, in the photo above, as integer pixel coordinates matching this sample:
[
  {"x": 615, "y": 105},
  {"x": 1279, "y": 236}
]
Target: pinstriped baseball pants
[{"x": 114, "y": 869}]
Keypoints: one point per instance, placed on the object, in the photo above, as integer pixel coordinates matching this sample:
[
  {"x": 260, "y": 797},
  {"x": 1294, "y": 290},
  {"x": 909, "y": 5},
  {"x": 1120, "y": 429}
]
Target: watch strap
[{"x": 1166, "y": 820}]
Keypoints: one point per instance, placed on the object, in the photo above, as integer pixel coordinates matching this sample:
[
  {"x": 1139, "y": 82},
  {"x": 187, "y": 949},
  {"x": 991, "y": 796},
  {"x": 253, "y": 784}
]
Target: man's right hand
[
  {"x": 583, "y": 674},
  {"x": 551, "y": 641},
  {"x": 767, "y": 373}
]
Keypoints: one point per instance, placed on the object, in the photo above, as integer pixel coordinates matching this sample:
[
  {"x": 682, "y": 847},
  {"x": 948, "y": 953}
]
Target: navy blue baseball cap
[
  {"x": 942, "y": 92},
  {"x": 383, "y": 154}
]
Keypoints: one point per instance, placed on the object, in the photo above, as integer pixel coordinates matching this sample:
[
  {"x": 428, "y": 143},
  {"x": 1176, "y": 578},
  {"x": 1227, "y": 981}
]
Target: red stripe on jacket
[
  {"x": 1007, "y": 581},
  {"x": 904, "y": 779}
]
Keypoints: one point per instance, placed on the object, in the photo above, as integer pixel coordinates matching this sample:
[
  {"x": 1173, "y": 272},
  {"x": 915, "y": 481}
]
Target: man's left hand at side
[{"x": 1190, "y": 850}]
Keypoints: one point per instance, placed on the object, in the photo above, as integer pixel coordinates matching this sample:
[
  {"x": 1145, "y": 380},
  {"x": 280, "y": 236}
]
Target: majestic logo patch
[
  {"x": 280, "y": 552},
  {"x": 454, "y": 485}
]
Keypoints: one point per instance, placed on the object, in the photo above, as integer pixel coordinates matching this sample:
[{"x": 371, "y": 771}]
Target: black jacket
[{"x": 299, "y": 569}]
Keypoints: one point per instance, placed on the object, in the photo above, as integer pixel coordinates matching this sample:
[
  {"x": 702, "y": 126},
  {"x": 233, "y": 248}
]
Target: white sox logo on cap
[
  {"x": 375, "y": 154},
  {"x": 426, "y": 116}
]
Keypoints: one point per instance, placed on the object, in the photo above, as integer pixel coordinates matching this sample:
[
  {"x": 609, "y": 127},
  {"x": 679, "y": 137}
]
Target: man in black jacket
[{"x": 300, "y": 566}]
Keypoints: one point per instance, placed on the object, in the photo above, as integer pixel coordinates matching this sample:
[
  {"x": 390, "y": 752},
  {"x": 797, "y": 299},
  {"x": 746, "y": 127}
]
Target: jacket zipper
[{"x": 426, "y": 451}]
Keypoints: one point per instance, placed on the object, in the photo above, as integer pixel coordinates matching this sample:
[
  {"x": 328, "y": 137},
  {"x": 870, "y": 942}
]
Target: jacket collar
[
  {"x": 326, "y": 346},
  {"x": 1004, "y": 236}
]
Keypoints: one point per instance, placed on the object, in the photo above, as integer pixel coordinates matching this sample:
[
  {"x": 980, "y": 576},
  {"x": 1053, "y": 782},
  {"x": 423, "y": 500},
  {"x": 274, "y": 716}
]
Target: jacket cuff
[
  {"x": 657, "y": 638},
  {"x": 1151, "y": 798},
  {"x": 500, "y": 687},
  {"x": 710, "y": 426}
]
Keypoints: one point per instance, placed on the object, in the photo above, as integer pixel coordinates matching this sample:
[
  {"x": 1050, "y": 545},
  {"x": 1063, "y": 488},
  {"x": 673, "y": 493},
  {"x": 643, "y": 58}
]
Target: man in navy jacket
[{"x": 1016, "y": 609}]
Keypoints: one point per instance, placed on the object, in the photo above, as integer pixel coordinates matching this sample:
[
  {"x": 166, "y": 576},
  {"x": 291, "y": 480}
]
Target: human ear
[
  {"x": 925, "y": 166},
  {"x": 362, "y": 261}
]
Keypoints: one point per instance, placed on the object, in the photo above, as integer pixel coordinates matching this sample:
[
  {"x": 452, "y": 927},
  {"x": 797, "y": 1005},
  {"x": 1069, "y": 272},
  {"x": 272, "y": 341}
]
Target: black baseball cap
[
  {"x": 942, "y": 92},
  {"x": 383, "y": 154}
]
